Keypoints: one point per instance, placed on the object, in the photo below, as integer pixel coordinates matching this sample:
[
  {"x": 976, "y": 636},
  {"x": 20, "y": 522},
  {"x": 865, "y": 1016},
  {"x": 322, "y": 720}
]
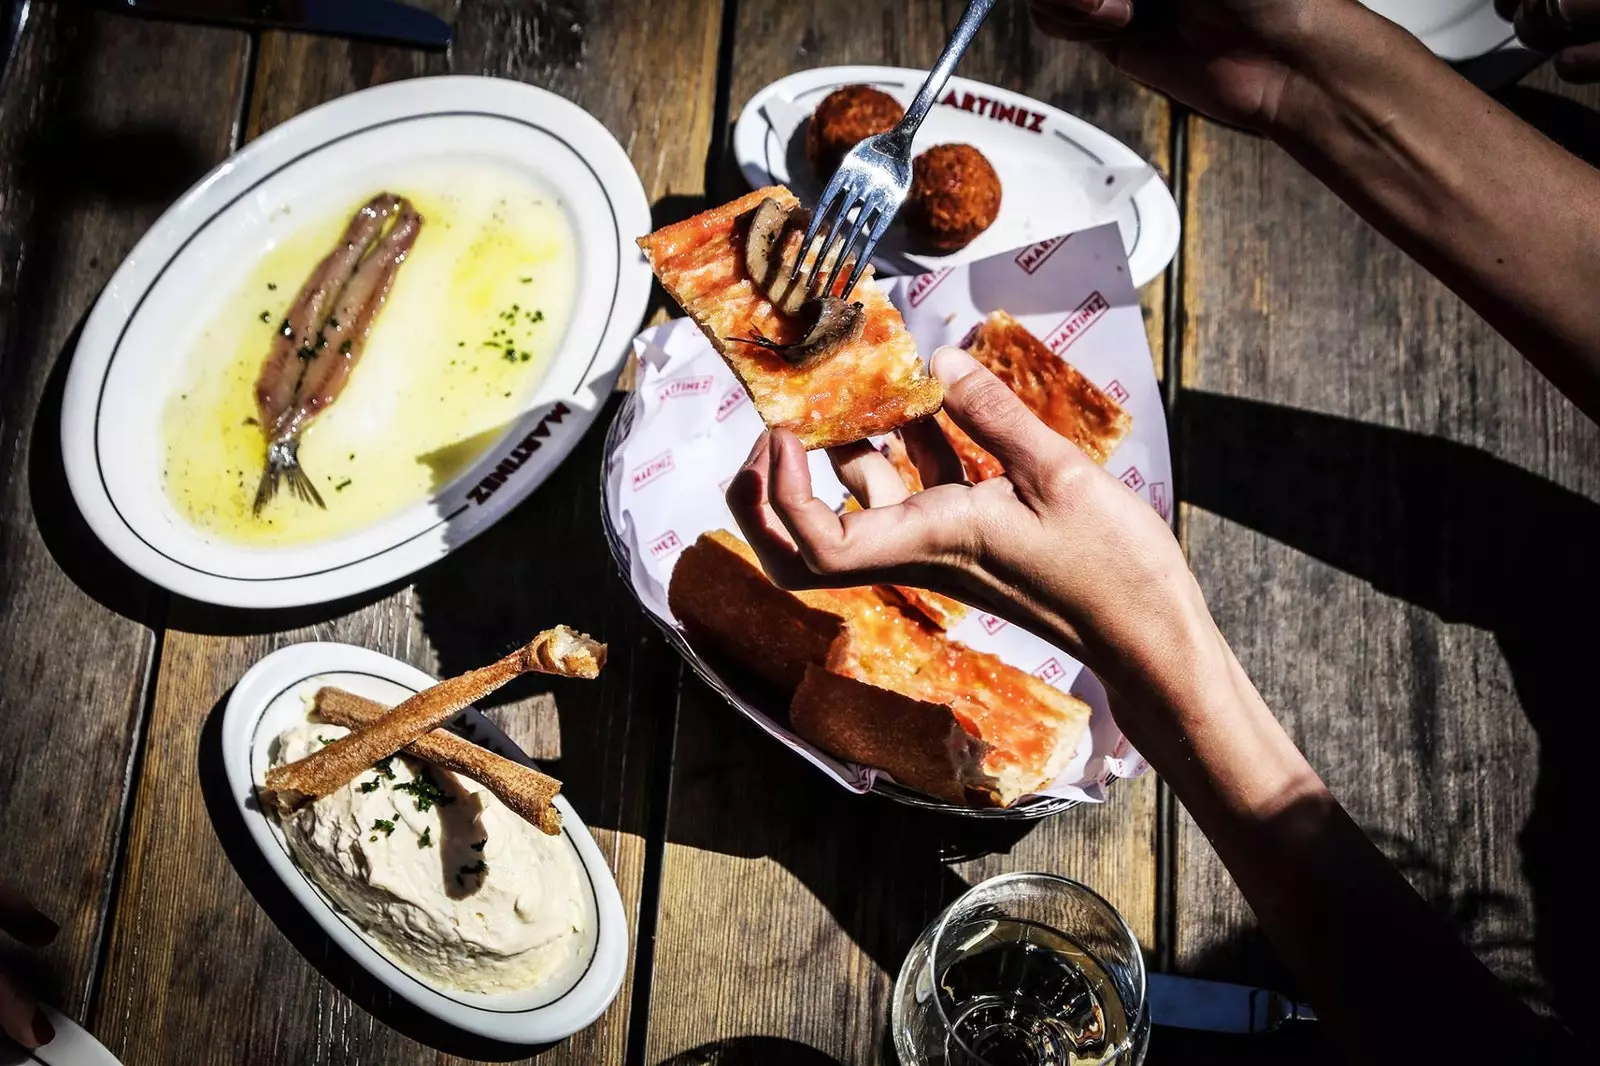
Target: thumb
[{"x": 998, "y": 420}]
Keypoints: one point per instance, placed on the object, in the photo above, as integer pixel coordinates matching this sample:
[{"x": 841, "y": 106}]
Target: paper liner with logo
[{"x": 686, "y": 429}]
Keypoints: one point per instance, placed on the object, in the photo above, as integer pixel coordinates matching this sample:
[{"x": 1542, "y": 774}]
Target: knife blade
[
  {"x": 1217, "y": 1007},
  {"x": 386, "y": 21}
]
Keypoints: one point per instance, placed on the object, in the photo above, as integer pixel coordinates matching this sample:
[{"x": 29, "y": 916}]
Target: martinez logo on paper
[
  {"x": 651, "y": 469},
  {"x": 923, "y": 284},
  {"x": 730, "y": 402},
  {"x": 1073, "y": 326},
  {"x": 665, "y": 544},
  {"x": 685, "y": 387},
  {"x": 1033, "y": 256},
  {"x": 480, "y": 493}
]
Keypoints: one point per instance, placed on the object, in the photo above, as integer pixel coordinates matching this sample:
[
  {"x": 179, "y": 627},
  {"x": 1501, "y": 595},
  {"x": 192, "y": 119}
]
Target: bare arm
[
  {"x": 1501, "y": 214},
  {"x": 1064, "y": 549}
]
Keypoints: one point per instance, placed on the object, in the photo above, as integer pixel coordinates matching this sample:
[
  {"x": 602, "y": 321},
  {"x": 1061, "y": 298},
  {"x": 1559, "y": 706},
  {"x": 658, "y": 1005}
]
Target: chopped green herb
[
  {"x": 525, "y": 280},
  {"x": 285, "y": 329},
  {"x": 333, "y": 323},
  {"x": 480, "y": 869},
  {"x": 538, "y": 316},
  {"x": 324, "y": 739},
  {"x": 266, "y": 316},
  {"x": 526, "y": 356},
  {"x": 272, "y": 286},
  {"x": 370, "y": 786},
  {"x": 479, "y": 845},
  {"x": 383, "y": 767},
  {"x": 461, "y": 344},
  {"x": 341, "y": 486},
  {"x": 344, "y": 347},
  {"x": 383, "y": 825},
  {"x": 306, "y": 353},
  {"x": 426, "y": 839},
  {"x": 426, "y": 791}
]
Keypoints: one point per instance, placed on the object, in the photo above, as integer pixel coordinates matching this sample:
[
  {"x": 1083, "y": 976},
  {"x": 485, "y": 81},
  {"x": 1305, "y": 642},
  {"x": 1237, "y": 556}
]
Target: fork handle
[{"x": 966, "y": 29}]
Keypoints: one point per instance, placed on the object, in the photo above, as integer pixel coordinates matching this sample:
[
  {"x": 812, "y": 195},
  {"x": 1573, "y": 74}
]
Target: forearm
[
  {"x": 1378, "y": 965},
  {"x": 1501, "y": 214}
]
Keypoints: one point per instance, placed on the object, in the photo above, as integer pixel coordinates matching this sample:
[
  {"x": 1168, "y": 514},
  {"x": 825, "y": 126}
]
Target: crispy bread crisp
[
  {"x": 872, "y": 385},
  {"x": 1053, "y": 389}
]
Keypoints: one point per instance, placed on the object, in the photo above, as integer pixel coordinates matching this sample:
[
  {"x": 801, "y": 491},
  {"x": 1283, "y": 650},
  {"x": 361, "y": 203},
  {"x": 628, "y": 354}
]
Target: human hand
[
  {"x": 1056, "y": 545},
  {"x": 20, "y": 1016},
  {"x": 1231, "y": 59},
  {"x": 1568, "y": 29}
]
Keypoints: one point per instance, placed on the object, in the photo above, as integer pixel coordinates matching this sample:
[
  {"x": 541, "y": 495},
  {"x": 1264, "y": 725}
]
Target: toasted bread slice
[
  {"x": 723, "y": 598},
  {"x": 878, "y": 685},
  {"x": 870, "y": 386},
  {"x": 942, "y": 611},
  {"x": 1053, "y": 389},
  {"x": 1027, "y": 730},
  {"x": 921, "y": 745}
]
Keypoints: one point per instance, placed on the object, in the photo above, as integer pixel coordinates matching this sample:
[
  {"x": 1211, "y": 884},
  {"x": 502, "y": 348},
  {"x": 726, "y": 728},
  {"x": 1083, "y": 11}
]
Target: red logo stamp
[
  {"x": 1159, "y": 499},
  {"x": 992, "y": 625},
  {"x": 651, "y": 470},
  {"x": 1076, "y": 324},
  {"x": 730, "y": 402},
  {"x": 1117, "y": 391},
  {"x": 1021, "y": 117},
  {"x": 665, "y": 544},
  {"x": 1133, "y": 479},
  {"x": 1050, "y": 671},
  {"x": 1033, "y": 256},
  {"x": 694, "y": 386},
  {"x": 923, "y": 284}
]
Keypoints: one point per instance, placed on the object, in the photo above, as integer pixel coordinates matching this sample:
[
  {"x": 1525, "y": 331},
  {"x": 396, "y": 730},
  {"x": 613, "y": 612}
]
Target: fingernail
[
  {"x": 950, "y": 365},
  {"x": 43, "y": 1031}
]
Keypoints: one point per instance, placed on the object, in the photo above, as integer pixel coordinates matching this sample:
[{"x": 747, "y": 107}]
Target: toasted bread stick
[
  {"x": 555, "y": 651},
  {"x": 522, "y": 788}
]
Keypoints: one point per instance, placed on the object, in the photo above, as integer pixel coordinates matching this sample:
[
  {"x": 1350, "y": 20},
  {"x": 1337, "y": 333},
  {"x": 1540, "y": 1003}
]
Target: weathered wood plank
[
  {"x": 1392, "y": 517},
  {"x": 786, "y": 903},
  {"x": 91, "y": 150},
  {"x": 546, "y": 561}
]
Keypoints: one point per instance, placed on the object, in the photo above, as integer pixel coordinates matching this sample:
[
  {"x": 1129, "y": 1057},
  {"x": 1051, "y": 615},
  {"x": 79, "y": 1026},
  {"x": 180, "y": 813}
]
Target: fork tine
[
  {"x": 864, "y": 257},
  {"x": 846, "y": 202},
  {"x": 831, "y": 195},
  {"x": 844, "y": 249}
]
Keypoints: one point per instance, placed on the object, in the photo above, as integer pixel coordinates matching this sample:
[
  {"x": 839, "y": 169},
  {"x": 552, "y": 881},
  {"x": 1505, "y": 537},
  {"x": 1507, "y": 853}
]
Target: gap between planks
[{"x": 1166, "y": 931}]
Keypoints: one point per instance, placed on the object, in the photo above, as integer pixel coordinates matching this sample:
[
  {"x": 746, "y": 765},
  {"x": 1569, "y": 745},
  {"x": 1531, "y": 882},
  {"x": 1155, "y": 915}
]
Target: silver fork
[{"x": 875, "y": 176}]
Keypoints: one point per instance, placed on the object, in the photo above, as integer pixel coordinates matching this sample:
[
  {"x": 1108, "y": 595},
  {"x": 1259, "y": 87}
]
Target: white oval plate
[
  {"x": 1058, "y": 174},
  {"x": 268, "y": 700},
  {"x": 145, "y": 323},
  {"x": 1454, "y": 30}
]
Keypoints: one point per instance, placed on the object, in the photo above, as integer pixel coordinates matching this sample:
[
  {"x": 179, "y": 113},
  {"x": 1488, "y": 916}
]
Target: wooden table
[{"x": 1392, "y": 516}]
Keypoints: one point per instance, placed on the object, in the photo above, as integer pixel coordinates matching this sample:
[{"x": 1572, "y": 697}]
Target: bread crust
[
  {"x": 724, "y": 601},
  {"x": 875, "y": 684},
  {"x": 870, "y": 386},
  {"x": 1053, "y": 389}
]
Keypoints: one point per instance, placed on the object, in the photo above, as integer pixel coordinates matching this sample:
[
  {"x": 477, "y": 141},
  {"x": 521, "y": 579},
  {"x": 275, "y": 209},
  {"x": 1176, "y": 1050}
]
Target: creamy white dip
[{"x": 459, "y": 889}]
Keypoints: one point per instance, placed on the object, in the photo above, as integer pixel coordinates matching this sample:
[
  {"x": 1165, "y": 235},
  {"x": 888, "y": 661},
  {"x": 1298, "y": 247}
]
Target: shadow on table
[
  {"x": 1475, "y": 540},
  {"x": 269, "y": 891},
  {"x": 752, "y": 1051}
]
